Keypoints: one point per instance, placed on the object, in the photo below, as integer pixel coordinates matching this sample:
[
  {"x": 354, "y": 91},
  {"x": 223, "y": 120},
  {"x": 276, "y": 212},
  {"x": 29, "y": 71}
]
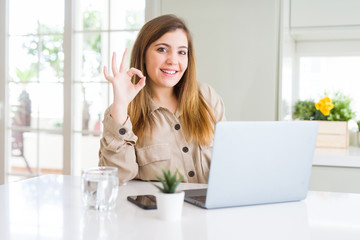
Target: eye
[
  {"x": 182, "y": 52},
  {"x": 163, "y": 50}
]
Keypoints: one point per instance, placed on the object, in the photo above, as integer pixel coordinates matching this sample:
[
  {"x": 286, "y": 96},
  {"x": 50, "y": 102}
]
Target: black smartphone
[{"x": 144, "y": 201}]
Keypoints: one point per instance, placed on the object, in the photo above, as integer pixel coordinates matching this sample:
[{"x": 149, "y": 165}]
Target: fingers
[
  {"x": 132, "y": 71},
  {"x": 123, "y": 60},
  {"x": 113, "y": 64},
  {"x": 106, "y": 74}
]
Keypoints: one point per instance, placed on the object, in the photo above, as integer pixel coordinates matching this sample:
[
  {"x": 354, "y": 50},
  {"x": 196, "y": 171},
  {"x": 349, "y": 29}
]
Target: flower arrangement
[
  {"x": 336, "y": 108},
  {"x": 324, "y": 105}
]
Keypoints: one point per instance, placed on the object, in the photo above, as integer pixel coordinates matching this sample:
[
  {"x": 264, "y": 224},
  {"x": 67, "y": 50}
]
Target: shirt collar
[{"x": 154, "y": 106}]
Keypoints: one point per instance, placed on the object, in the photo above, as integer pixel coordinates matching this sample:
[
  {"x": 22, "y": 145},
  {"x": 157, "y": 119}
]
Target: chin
[{"x": 170, "y": 83}]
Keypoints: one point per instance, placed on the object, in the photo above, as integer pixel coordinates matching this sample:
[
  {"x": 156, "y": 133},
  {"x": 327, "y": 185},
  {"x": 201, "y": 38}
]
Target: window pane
[
  {"x": 20, "y": 106},
  {"x": 23, "y": 65},
  {"x": 127, "y": 14},
  {"x": 89, "y": 54},
  {"x": 52, "y": 58},
  {"x": 48, "y": 103},
  {"x": 24, "y": 59},
  {"x": 26, "y": 16},
  {"x": 23, "y": 158},
  {"x": 51, "y": 19},
  {"x": 121, "y": 40},
  {"x": 87, "y": 154},
  {"x": 32, "y": 151},
  {"x": 50, "y": 153},
  {"x": 36, "y": 105},
  {"x": 91, "y": 15},
  {"x": 91, "y": 102},
  {"x": 21, "y": 20},
  {"x": 330, "y": 74}
]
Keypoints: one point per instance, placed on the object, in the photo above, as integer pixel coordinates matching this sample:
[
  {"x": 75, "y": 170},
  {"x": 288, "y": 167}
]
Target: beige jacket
[{"x": 167, "y": 149}]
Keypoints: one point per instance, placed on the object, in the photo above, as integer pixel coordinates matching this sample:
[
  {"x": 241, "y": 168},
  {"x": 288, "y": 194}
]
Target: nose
[{"x": 172, "y": 58}]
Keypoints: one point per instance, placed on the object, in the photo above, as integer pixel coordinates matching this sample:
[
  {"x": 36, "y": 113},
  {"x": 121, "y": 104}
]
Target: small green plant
[
  {"x": 338, "y": 108},
  {"x": 169, "y": 181},
  {"x": 304, "y": 110},
  {"x": 342, "y": 110},
  {"x": 358, "y": 123}
]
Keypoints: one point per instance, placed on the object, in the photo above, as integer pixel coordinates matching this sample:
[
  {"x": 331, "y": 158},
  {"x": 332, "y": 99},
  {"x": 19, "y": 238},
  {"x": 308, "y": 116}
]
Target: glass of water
[{"x": 100, "y": 187}]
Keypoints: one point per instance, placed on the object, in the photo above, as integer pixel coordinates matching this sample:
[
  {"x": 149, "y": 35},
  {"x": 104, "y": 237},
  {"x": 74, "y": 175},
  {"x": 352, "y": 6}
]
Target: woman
[{"x": 161, "y": 117}]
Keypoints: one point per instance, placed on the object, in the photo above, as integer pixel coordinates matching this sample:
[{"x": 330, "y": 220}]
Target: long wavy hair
[{"x": 196, "y": 117}]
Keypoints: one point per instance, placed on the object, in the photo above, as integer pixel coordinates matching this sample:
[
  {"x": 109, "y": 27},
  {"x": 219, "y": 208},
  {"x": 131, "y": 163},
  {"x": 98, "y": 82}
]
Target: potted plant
[
  {"x": 169, "y": 201},
  {"x": 333, "y": 115}
]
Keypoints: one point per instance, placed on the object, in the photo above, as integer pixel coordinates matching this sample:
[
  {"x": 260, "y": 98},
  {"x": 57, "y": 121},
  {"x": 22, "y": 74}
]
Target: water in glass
[{"x": 100, "y": 187}]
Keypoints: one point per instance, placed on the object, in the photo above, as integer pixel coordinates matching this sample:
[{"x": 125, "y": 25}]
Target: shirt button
[
  {"x": 191, "y": 173},
  {"x": 185, "y": 149},
  {"x": 122, "y": 131},
  {"x": 177, "y": 126}
]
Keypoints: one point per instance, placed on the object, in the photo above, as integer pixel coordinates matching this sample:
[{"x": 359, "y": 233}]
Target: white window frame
[
  {"x": 4, "y": 5},
  {"x": 152, "y": 9}
]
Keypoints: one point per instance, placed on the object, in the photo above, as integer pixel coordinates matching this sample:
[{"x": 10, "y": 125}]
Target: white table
[{"x": 50, "y": 207}]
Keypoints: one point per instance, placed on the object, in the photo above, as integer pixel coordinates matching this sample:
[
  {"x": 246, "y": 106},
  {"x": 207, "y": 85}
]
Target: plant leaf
[
  {"x": 165, "y": 185},
  {"x": 160, "y": 188},
  {"x": 174, "y": 186},
  {"x": 173, "y": 178},
  {"x": 169, "y": 181}
]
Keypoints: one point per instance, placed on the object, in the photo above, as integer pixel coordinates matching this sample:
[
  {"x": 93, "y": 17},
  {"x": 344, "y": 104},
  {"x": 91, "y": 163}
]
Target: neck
[
  {"x": 165, "y": 98},
  {"x": 163, "y": 94}
]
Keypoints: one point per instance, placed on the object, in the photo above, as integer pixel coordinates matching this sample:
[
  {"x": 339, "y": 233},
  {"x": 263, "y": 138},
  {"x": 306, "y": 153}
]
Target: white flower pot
[{"x": 170, "y": 205}]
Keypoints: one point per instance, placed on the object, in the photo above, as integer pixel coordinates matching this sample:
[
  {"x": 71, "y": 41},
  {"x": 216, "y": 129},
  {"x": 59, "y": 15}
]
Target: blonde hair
[{"x": 196, "y": 118}]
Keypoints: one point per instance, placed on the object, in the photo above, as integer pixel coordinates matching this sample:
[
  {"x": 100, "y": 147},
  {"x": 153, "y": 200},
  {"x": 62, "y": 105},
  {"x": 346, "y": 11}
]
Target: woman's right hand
[{"x": 124, "y": 90}]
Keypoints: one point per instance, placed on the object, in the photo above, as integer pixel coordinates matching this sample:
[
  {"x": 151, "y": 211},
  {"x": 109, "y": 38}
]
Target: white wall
[{"x": 236, "y": 45}]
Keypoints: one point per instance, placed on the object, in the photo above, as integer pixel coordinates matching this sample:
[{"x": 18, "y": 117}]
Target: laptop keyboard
[{"x": 201, "y": 199}]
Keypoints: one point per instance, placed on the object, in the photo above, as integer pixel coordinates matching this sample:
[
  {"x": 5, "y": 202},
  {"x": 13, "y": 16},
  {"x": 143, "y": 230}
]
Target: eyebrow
[{"x": 167, "y": 45}]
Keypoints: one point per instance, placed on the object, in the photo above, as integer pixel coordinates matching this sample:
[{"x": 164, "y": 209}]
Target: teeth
[{"x": 169, "y": 72}]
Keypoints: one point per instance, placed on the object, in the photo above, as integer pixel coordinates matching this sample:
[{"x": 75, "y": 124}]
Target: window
[
  {"x": 36, "y": 83},
  {"x": 325, "y": 66},
  {"x": 318, "y": 67},
  {"x": 101, "y": 27},
  {"x": 35, "y": 87},
  {"x": 330, "y": 74}
]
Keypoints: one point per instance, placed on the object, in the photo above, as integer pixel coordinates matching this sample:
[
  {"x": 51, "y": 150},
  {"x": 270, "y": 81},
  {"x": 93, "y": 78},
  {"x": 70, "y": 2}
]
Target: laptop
[{"x": 258, "y": 163}]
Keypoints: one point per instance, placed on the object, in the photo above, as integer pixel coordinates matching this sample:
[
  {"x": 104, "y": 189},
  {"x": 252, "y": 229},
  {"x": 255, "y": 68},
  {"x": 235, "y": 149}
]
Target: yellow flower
[{"x": 324, "y": 105}]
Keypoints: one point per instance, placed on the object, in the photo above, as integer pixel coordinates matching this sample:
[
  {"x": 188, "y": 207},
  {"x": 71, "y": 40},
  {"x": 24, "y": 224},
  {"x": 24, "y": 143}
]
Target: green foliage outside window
[{"x": 50, "y": 47}]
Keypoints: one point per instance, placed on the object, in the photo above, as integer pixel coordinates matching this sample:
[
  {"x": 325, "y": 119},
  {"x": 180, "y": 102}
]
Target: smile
[{"x": 168, "y": 71}]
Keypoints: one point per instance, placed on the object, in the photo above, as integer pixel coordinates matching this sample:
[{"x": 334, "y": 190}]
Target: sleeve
[{"x": 117, "y": 147}]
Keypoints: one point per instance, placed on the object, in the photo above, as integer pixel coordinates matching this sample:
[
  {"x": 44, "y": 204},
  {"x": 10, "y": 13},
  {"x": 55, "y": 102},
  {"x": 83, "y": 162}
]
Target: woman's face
[{"x": 166, "y": 59}]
